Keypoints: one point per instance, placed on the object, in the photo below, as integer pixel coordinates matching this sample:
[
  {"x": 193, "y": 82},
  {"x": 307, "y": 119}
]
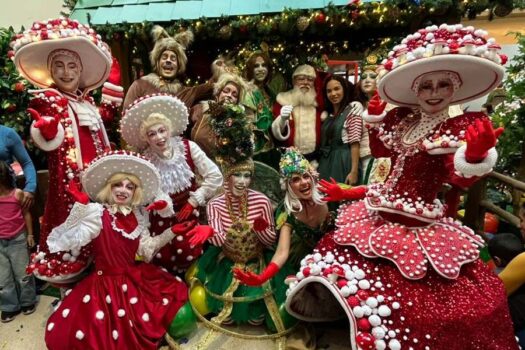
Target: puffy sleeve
[
  {"x": 380, "y": 133},
  {"x": 353, "y": 126},
  {"x": 267, "y": 236},
  {"x": 48, "y": 107},
  {"x": 81, "y": 226},
  {"x": 168, "y": 211},
  {"x": 215, "y": 221},
  {"x": 149, "y": 246},
  {"x": 212, "y": 177}
]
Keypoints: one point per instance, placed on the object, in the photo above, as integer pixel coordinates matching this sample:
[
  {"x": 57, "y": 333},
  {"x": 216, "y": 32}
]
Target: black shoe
[
  {"x": 8, "y": 316},
  {"x": 28, "y": 310}
]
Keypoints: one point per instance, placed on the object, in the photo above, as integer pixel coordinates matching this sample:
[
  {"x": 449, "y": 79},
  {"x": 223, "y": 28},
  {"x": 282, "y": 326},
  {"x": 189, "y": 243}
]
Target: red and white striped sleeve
[
  {"x": 353, "y": 126},
  {"x": 215, "y": 217}
]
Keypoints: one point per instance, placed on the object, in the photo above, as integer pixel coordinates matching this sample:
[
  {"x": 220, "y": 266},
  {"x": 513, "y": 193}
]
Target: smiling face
[
  {"x": 229, "y": 94},
  {"x": 301, "y": 186},
  {"x": 368, "y": 82},
  {"x": 335, "y": 92},
  {"x": 168, "y": 64},
  {"x": 303, "y": 82},
  {"x": 240, "y": 182},
  {"x": 435, "y": 92},
  {"x": 260, "y": 70},
  {"x": 158, "y": 137},
  {"x": 65, "y": 72},
  {"x": 122, "y": 192}
]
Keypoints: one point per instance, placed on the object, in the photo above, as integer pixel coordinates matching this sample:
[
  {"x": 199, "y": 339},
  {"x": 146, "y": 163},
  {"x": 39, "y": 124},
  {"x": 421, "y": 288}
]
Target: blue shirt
[{"x": 11, "y": 146}]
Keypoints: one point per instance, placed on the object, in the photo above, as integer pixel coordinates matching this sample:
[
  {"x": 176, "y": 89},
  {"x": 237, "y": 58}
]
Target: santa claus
[{"x": 297, "y": 116}]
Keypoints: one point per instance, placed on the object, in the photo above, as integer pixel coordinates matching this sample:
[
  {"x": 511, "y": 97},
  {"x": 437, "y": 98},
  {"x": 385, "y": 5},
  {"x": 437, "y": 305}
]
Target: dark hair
[
  {"x": 348, "y": 90},
  {"x": 505, "y": 246},
  {"x": 7, "y": 176},
  {"x": 360, "y": 95},
  {"x": 250, "y": 65}
]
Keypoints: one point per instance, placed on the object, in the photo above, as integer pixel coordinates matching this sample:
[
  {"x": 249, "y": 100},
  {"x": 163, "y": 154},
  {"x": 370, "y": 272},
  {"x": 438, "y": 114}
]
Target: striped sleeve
[
  {"x": 353, "y": 126},
  {"x": 264, "y": 209},
  {"x": 214, "y": 220}
]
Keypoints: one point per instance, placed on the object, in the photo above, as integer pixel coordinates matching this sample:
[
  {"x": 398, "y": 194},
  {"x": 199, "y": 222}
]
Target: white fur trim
[
  {"x": 372, "y": 118},
  {"x": 276, "y": 129},
  {"x": 168, "y": 211},
  {"x": 324, "y": 115},
  {"x": 42, "y": 143},
  {"x": 466, "y": 169}
]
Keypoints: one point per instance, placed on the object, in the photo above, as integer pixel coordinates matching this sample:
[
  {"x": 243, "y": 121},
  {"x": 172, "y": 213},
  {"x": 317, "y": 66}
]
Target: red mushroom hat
[
  {"x": 465, "y": 51},
  {"x": 33, "y": 47}
]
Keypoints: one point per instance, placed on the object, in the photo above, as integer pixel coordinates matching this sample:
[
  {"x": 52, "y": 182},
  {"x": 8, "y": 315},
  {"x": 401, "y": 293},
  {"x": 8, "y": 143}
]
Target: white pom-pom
[
  {"x": 65, "y": 313},
  {"x": 133, "y": 300},
  {"x": 384, "y": 311},
  {"x": 114, "y": 334},
  {"x": 372, "y": 302},
  {"x": 124, "y": 287},
  {"x": 108, "y": 299},
  {"x": 394, "y": 344},
  {"x": 99, "y": 315},
  {"x": 358, "y": 311},
  {"x": 145, "y": 317},
  {"x": 86, "y": 298},
  {"x": 378, "y": 332},
  {"x": 380, "y": 345},
  {"x": 79, "y": 335},
  {"x": 121, "y": 313},
  {"x": 50, "y": 326},
  {"x": 374, "y": 320},
  {"x": 395, "y": 305},
  {"x": 364, "y": 284},
  {"x": 165, "y": 301}
]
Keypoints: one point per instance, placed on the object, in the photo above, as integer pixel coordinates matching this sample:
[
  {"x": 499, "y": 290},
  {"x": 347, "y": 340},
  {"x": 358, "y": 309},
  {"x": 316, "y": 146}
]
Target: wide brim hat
[
  {"x": 100, "y": 170},
  {"x": 170, "y": 106},
  {"x": 33, "y": 46},
  {"x": 462, "y": 51}
]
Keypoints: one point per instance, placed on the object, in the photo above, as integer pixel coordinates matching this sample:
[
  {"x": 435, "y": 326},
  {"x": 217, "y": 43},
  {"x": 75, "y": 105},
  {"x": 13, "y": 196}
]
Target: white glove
[{"x": 286, "y": 112}]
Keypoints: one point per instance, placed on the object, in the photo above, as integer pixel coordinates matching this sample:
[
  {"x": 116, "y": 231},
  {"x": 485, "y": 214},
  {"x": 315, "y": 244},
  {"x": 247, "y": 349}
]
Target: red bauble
[
  {"x": 306, "y": 271},
  {"x": 341, "y": 282},
  {"x": 504, "y": 58},
  {"x": 42, "y": 269},
  {"x": 362, "y": 294},
  {"x": 363, "y": 324},
  {"x": 491, "y": 223},
  {"x": 365, "y": 341},
  {"x": 320, "y": 18},
  {"x": 353, "y": 301},
  {"x": 11, "y": 108}
]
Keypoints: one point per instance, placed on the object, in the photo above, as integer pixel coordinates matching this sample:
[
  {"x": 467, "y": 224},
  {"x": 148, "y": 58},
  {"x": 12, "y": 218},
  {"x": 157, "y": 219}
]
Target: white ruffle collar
[{"x": 175, "y": 173}]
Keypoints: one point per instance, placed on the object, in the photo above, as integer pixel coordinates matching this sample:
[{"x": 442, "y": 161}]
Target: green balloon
[{"x": 184, "y": 322}]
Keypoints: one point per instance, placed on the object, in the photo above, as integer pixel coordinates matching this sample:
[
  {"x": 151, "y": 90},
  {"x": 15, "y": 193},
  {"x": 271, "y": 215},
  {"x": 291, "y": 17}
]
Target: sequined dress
[
  {"x": 122, "y": 304},
  {"x": 405, "y": 276},
  {"x": 81, "y": 137}
]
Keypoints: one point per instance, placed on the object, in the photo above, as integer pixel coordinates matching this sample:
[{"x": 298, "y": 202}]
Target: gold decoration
[
  {"x": 302, "y": 23},
  {"x": 225, "y": 32}
]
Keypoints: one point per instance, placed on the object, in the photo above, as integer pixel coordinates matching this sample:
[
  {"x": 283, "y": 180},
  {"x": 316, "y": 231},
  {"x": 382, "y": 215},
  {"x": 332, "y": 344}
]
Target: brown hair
[{"x": 250, "y": 65}]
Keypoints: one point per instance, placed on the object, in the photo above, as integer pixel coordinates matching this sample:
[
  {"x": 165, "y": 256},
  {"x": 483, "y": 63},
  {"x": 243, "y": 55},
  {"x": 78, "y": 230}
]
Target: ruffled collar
[
  {"x": 123, "y": 209},
  {"x": 175, "y": 173}
]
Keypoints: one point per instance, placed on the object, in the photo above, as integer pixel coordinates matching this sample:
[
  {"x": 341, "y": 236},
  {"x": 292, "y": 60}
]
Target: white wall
[{"x": 18, "y": 13}]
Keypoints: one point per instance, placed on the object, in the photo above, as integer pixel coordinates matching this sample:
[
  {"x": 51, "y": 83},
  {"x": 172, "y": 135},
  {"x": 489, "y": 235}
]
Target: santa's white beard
[{"x": 300, "y": 98}]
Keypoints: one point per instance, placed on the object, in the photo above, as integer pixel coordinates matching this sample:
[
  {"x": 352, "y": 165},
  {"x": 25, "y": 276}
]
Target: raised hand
[
  {"x": 260, "y": 224},
  {"x": 480, "y": 138},
  {"x": 334, "y": 193},
  {"x": 251, "y": 279},
  {"x": 185, "y": 212},
  {"x": 48, "y": 126},
  {"x": 74, "y": 190},
  {"x": 200, "y": 234},
  {"x": 157, "y": 205},
  {"x": 286, "y": 112},
  {"x": 376, "y": 106}
]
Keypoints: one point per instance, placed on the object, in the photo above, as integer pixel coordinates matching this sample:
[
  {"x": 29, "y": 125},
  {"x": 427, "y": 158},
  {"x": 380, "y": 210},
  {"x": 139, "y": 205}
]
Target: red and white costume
[
  {"x": 303, "y": 130},
  {"x": 178, "y": 180},
  {"x": 258, "y": 205},
  {"x": 123, "y": 304},
  {"x": 405, "y": 276}
]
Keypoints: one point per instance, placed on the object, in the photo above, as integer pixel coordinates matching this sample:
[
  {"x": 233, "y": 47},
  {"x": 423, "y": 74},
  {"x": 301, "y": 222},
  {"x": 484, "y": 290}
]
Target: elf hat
[
  {"x": 102, "y": 168},
  {"x": 34, "y": 46},
  {"x": 460, "y": 51},
  {"x": 170, "y": 106}
]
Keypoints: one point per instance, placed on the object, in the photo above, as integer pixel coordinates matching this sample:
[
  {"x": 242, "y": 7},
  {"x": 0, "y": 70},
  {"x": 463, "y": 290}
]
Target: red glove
[
  {"x": 183, "y": 227},
  {"x": 260, "y": 224},
  {"x": 252, "y": 279},
  {"x": 112, "y": 91},
  {"x": 185, "y": 212},
  {"x": 480, "y": 138},
  {"x": 334, "y": 193},
  {"x": 200, "y": 234},
  {"x": 158, "y": 205},
  {"x": 375, "y": 105},
  {"x": 74, "y": 189},
  {"x": 48, "y": 126}
]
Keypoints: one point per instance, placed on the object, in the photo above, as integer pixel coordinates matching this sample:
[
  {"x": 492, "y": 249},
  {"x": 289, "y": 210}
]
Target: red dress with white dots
[
  {"x": 122, "y": 304},
  {"x": 404, "y": 275}
]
